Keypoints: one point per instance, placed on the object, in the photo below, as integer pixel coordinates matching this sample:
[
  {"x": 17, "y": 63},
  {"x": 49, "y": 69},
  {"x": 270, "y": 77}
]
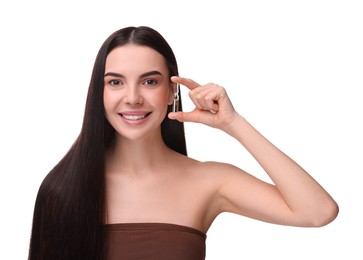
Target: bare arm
[{"x": 294, "y": 199}]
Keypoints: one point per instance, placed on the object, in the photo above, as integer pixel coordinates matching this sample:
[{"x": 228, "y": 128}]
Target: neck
[{"x": 137, "y": 156}]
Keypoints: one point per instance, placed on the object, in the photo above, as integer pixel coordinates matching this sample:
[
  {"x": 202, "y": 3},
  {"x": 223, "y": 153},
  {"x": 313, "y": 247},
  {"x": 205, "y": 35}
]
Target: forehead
[{"x": 135, "y": 58}]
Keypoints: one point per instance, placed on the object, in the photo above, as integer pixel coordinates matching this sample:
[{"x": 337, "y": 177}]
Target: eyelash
[
  {"x": 151, "y": 82},
  {"x": 147, "y": 82},
  {"x": 115, "y": 82}
]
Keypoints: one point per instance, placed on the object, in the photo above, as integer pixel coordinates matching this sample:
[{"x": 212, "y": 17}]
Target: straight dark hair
[{"x": 69, "y": 211}]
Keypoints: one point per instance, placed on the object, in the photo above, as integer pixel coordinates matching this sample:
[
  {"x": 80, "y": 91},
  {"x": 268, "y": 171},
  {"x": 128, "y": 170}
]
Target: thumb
[{"x": 184, "y": 116}]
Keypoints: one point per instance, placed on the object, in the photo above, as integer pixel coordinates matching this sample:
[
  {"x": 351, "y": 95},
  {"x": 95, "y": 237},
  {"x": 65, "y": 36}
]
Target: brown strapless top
[{"x": 159, "y": 241}]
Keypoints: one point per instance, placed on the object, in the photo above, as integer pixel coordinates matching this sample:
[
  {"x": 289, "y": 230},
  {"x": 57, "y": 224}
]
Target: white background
[{"x": 292, "y": 68}]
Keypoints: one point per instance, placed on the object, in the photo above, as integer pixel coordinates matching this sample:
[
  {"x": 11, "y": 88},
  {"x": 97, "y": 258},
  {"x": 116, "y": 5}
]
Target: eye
[
  {"x": 115, "y": 83},
  {"x": 150, "y": 82}
]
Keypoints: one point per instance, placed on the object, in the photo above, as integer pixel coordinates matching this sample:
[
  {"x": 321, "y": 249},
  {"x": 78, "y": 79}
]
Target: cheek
[
  {"x": 108, "y": 102},
  {"x": 161, "y": 98}
]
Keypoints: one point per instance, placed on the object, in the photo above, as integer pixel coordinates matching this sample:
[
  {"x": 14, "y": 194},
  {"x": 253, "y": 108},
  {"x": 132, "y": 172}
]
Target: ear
[{"x": 172, "y": 91}]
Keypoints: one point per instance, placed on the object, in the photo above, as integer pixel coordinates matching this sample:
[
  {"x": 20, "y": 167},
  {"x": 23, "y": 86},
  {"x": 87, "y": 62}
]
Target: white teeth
[{"x": 133, "y": 117}]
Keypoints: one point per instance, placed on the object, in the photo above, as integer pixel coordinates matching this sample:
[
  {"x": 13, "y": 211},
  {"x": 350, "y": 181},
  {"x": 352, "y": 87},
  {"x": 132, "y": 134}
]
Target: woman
[{"x": 127, "y": 190}]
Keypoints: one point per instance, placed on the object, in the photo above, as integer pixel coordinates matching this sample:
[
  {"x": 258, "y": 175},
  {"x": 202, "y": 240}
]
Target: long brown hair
[{"x": 69, "y": 211}]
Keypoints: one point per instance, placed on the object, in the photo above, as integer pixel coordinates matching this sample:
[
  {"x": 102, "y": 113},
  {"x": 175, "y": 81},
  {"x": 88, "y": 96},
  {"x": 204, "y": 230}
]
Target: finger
[
  {"x": 204, "y": 102},
  {"x": 205, "y": 98},
  {"x": 212, "y": 106},
  {"x": 184, "y": 116},
  {"x": 196, "y": 101},
  {"x": 189, "y": 83}
]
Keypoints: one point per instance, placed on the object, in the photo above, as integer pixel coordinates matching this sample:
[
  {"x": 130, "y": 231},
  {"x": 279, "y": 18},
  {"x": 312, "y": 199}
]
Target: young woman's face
[{"x": 136, "y": 91}]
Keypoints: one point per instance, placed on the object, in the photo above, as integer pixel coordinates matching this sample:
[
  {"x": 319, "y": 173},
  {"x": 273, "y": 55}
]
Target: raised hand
[{"x": 212, "y": 105}]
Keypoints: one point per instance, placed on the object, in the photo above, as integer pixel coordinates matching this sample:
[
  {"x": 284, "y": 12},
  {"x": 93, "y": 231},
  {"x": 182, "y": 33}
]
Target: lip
[{"x": 134, "y": 117}]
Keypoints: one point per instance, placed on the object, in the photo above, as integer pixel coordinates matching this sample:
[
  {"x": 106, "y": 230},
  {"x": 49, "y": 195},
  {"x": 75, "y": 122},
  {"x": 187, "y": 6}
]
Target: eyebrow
[{"x": 146, "y": 74}]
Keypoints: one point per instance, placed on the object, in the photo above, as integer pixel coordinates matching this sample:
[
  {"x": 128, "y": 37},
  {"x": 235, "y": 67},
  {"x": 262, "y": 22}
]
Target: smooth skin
[{"x": 148, "y": 182}]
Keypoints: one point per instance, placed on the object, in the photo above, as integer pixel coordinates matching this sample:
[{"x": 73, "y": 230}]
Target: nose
[{"x": 133, "y": 96}]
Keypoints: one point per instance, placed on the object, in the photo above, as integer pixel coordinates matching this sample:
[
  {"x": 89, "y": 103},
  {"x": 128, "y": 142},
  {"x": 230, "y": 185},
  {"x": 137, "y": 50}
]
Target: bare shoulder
[
  {"x": 223, "y": 181},
  {"x": 218, "y": 167},
  {"x": 211, "y": 175},
  {"x": 206, "y": 182},
  {"x": 211, "y": 169}
]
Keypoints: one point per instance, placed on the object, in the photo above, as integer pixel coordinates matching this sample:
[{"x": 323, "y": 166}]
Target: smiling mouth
[{"x": 134, "y": 117}]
